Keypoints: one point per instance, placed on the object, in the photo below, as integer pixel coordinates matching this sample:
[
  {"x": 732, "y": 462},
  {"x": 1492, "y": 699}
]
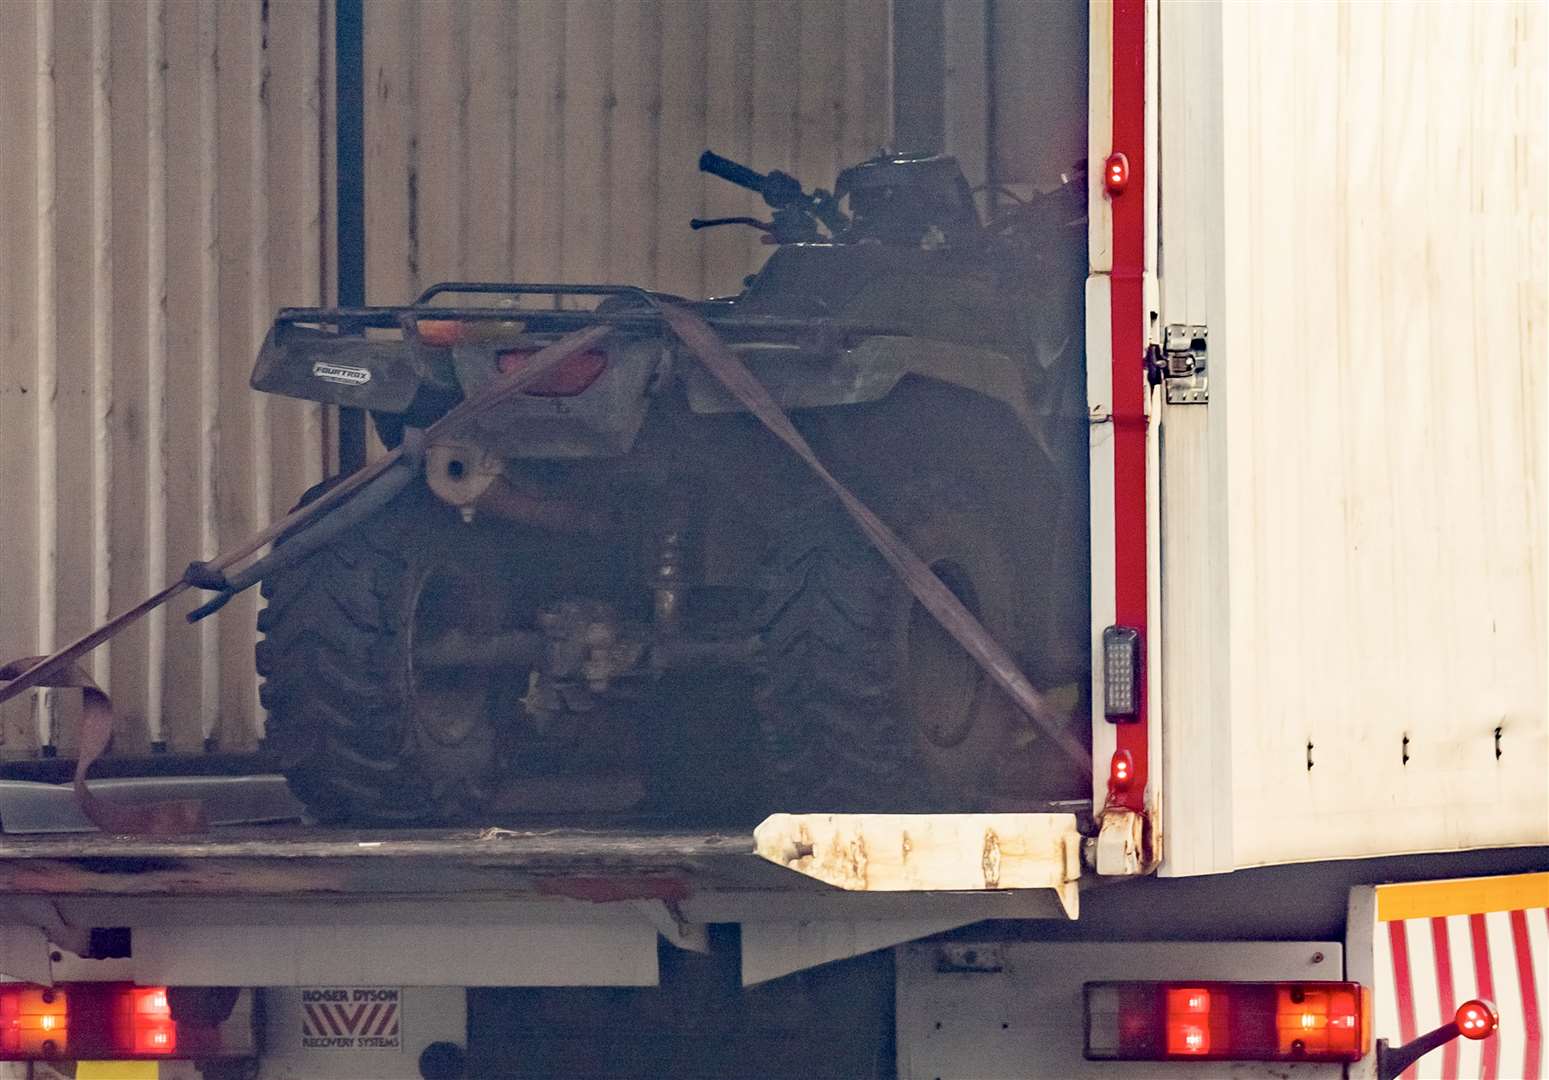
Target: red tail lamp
[
  {"x": 1226, "y": 1021},
  {"x": 570, "y": 377},
  {"x": 1116, "y": 173},
  {"x": 149, "y": 1028}
]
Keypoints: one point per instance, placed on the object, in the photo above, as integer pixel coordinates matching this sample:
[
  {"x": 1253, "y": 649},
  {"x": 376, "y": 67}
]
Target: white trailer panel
[{"x": 1353, "y": 202}]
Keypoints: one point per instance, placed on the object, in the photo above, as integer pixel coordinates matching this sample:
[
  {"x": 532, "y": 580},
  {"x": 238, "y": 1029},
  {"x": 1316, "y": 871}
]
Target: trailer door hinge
[{"x": 1185, "y": 365}]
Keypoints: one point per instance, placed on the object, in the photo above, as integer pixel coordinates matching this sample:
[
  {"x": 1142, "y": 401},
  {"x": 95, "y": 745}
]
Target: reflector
[
  {"x": 439, "y": 333},
  {"x": 570, "y": 378}
]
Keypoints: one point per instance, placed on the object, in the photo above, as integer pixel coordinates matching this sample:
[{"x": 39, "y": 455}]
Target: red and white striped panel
[{"x": 1439, "y": 944}]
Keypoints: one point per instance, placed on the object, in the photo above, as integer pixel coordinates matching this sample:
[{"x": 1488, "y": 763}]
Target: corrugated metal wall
[
  {"x": 167, "y": 184},
  {"x": 163, "y": 188},
  {"x": 1001, "y": 86},
  {"x": 558, "y": 140}
]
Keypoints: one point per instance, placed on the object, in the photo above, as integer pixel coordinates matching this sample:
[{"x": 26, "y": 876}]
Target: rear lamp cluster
[
  {"x": 1233, "y": 1021},
  {"x": 88, "y": 1021}
]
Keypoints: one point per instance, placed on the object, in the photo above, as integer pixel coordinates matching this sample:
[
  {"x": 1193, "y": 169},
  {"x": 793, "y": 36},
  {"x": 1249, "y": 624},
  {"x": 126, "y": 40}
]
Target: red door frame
[{"x": 1127, "y": 300}]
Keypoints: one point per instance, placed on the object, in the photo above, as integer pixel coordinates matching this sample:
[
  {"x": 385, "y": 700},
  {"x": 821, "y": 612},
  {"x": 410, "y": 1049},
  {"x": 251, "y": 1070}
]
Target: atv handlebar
[
  {"x": 727, "y": 169},
  {"x": 780, "y": 190}
]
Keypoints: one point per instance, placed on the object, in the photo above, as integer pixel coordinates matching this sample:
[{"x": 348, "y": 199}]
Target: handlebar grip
[{"x": 727, "y": 169}]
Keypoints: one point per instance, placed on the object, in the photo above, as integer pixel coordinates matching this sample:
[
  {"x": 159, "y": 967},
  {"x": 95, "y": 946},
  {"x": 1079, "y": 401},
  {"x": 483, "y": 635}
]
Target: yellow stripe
[
  {"x": 1465, "y": 896},
  {"x": 117, "y": 1070}
]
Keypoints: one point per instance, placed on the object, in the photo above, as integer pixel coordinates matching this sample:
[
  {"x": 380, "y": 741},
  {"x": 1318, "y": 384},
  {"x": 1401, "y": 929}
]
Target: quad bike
[{"x": 623, "y": 555}]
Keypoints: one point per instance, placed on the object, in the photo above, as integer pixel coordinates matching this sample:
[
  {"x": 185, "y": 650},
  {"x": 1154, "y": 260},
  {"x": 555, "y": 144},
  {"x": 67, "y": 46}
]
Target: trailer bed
[{"x": 269, "y": 905}]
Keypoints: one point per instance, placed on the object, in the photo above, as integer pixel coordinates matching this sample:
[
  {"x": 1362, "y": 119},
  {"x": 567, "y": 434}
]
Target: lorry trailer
[{"x": 1314, "y": 833}]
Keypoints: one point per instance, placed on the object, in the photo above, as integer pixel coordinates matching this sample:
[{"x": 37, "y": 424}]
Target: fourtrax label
[
  {"x": 339, "y": 373},
  {"x": 351, "y": 1018}
]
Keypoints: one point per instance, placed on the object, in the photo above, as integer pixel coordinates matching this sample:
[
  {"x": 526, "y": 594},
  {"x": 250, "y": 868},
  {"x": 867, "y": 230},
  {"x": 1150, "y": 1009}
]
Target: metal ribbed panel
[
  {"x": 558, "y": 139},
  {"x": 168, "y": 184},
  {"x": 163, "y": 190}
]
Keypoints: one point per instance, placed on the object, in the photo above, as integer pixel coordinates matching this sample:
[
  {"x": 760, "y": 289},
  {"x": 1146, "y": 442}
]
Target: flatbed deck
[
  {"x": 501, "y": 905},
  {"x": 718, "y": 872},
  {"x": 212, "y": 906}
]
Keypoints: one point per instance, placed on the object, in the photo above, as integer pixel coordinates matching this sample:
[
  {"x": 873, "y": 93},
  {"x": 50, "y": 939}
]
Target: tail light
[
  {"x": 1230, "y": 1021},
  {"x": 144, "y": 1022},
  {"x": 569, "y": 378},
  {"x": 103, "y": 1022}
]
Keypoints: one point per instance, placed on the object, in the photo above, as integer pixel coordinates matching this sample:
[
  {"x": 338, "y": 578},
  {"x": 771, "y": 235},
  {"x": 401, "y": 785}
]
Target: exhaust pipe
[{"x": 464, "y": 476}]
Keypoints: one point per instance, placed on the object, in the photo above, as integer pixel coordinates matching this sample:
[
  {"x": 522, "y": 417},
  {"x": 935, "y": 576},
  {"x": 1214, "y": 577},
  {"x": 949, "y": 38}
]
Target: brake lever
[{"x": 708, "y": 223}]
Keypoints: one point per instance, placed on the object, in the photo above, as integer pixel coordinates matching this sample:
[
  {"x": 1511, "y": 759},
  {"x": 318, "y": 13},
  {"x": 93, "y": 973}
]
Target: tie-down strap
[{"x": 927, "y": 588}]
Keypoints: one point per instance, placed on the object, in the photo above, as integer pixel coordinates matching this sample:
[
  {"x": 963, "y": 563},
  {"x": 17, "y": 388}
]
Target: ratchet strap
[
  {"x": 171, "y": 816},
  {"x": 927, "y": 588}
]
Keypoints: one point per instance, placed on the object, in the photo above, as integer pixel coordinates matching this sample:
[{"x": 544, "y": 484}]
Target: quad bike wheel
[
  {"x": 362, "y": 731},
  {"x": 868, "y": 702}
]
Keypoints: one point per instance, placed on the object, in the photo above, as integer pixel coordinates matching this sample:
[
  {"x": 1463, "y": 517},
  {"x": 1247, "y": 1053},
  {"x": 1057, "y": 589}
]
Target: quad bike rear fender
[
  {"x": 869, "y": 371},
  {"x": 318, "y": 364}
]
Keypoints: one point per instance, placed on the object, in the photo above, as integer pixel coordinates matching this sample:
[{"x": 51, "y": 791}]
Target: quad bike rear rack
[{"x": 648, "y": 317}]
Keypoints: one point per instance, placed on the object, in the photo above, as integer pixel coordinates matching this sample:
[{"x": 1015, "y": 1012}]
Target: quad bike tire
[
  {"x": 362, "y": 736},
  {"x": 868, "y": 703}
]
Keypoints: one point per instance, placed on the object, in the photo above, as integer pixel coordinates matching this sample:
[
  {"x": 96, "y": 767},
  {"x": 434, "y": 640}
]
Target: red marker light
[
  {"x": 1121, "y": 771},
  {"x": 1116, "y": 173},
  {"x": 1476, "y": 1019}
]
